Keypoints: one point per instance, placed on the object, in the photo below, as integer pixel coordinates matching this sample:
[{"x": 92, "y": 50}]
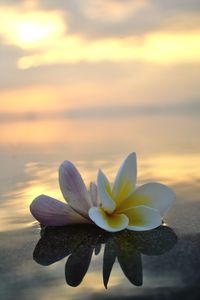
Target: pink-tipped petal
[
  {"x": 52, "y": 212},
  {"x": 74, "y": 189}
]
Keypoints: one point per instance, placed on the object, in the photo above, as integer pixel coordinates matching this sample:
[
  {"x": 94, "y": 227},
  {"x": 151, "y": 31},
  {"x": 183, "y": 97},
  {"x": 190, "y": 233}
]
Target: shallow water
[{"x": 168, "y": 150}]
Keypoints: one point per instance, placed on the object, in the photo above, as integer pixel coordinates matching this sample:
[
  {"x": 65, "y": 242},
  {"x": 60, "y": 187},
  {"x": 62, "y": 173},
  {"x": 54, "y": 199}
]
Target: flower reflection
[{"x": 80, "y": 241}]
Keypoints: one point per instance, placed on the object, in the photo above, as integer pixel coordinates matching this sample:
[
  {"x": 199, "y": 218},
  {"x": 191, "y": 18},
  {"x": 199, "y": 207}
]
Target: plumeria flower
[
  {"x": 125, "y": 206},
  {"x": 49, "y": 211}
]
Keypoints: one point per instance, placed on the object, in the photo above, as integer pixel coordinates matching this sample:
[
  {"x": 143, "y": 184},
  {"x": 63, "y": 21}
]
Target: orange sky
[{"x": 97, "y": 53}]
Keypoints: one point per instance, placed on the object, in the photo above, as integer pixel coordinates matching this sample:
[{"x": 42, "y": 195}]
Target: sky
[
  {"x": 75, "y": 54},
  {"x": 84, "y": 72}
]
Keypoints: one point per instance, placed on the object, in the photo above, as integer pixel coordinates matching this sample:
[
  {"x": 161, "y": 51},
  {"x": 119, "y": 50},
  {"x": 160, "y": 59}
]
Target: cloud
[
  {"x": 111, "y": 11},
  {"x": 177, "y": 5},
  {"x": 158, "y": 47},
  {"x": 109, "y": 18},
  {"x": 101, "y": 18},
  {"x": 8, "y": 57},
  {"x": 48, "y": 37}
]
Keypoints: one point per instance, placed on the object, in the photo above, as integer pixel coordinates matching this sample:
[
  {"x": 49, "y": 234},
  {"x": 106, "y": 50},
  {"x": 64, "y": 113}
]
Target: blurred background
[{"x": 91, "y": 81}]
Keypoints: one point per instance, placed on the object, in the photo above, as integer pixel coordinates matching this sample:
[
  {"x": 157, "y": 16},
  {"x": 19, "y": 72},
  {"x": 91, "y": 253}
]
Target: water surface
[{"x": 30, "y": 153}]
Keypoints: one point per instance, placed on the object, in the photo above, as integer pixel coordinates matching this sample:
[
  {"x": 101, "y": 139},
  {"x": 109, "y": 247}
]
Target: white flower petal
[
  {"x": 133, "y": 200},
  {"x": 105, "y": 193},
  {"x": 111, "y": 223},
  {"x": 142, "y": 218},
  {"x": 94, "y": 195},
  {"x": 49, "y": 211},
  {"x": 158, "y": 196},
  {"x": 74, "y": 189},
  {"x": 125, "y": 180}
]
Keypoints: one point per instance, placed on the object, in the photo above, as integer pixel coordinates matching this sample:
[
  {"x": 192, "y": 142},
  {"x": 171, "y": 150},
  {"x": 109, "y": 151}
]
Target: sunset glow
[
  {"x": 161, "y": 48},
  {"x": 30, "y": 29},
  {"x": 44, "y": 35}
]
